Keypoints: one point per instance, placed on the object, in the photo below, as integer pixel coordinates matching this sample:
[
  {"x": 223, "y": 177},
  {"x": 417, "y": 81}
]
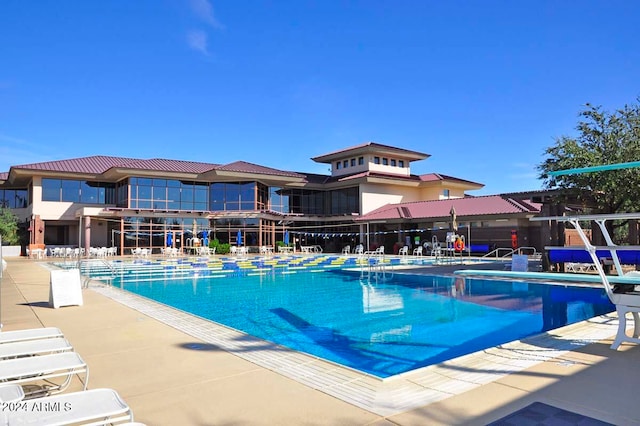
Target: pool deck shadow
[{"x": 173, "y": 368}]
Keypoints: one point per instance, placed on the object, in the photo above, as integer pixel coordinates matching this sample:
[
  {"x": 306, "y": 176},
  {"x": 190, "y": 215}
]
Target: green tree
[
  {"x": 602, "y": 138},
  {"x": 8, "y": 227}
]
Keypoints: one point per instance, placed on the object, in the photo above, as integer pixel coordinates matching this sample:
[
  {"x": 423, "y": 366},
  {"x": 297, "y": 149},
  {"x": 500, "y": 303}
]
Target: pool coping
[{"x": 384, "y": 397}]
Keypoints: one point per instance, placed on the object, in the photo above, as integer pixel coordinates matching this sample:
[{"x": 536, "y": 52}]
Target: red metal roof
[
  {"x": 244, "y": 167},
  {"x": 4, "y": 175},
  {"x": 99, "y": 164},
  {"x": 469, "y": 206},
  {"x": 96, "y": 164},
  {"x": 165, "y": 165},
  {"x": 370, "y": 147},
  {"x": 430, "y": 177}
]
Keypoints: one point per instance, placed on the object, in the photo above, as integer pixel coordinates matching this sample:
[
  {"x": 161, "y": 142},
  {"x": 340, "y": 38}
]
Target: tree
[
  {"x": 8, "y": 227},
  {"x": 603, "y": 138}
]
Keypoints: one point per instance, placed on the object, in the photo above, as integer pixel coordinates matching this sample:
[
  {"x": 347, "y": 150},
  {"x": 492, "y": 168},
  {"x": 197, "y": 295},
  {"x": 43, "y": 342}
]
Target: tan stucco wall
[{"x": 374, "y": 196}]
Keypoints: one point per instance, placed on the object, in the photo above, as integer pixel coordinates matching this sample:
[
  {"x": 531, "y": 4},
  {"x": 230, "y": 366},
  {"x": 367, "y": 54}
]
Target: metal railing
[
  {"x": 90, "y": 262},
  {"x": 508, "y": 252}
]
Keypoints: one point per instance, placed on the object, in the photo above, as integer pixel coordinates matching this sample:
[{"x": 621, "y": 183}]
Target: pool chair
[
  {"x": 34, "y": 347},
  {"x": 403, "y": 251},
  {"x": 346, "y": 250},
  {"x": 29, "y": 334},
  {"x": 417, "y": 251},
  {"x": 89, "y": 407},
  {"x": 359, "y": 249},
  {"x": 44, "y": 369}
]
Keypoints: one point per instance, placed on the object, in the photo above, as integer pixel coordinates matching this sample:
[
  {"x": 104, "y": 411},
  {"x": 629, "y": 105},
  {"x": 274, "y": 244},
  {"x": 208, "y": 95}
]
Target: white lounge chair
[
  {"x": 34, "y": 347},
  {"x": 403, "y": 251},
  {"x": 45, "y": 367},
  {"x": 89, "y": 407},
  {"x": 346, "y": 250},
  {"x": 29, "y": 334},
  {"x": 417, "y": 251}
]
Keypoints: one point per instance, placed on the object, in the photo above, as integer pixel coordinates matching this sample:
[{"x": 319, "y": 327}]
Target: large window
[
  {"x": 13, "y": 198},
  {"x": 168, "y": 194},
  {"x": 345, "y": 201},
  {"x": 78, "y": 191},
  {"x": 233, "y": 196}
]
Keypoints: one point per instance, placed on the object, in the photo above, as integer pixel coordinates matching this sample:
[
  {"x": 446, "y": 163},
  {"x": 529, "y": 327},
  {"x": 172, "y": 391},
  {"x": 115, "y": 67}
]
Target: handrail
[
  {"x": 103, "y": 261},
  {"x": 497, "y": 252},
  {"x": 511, "y": 252}
]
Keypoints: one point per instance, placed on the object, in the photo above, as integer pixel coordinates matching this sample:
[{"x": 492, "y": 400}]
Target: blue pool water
[{"x": 379, "y": 326}]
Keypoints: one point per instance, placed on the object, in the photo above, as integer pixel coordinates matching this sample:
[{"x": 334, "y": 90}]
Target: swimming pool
[{"x": 378, "y": 324}]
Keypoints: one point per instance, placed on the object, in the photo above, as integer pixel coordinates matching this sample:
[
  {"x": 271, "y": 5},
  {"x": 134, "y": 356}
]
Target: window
[
  {"x": 231, "y": 196},
  {"x": 353, "y": 162},
  {"x": 345, "y": 163},
  {"x": 393, "y": 162},
  {"x": 78, "y": 191},
  {"x": 400, "y": 163},
  {"x": 13, "y": 198},
  {"x": 360, "y": 161},
  {"x": 338, "y": 165},
  {"x": 376, "y": 160},
  {"x": 50, "y": 189},
  {"x": 385, "y": 161},
  {"x": 168, "y": 194},
  {"x": 445, "y": 193}
]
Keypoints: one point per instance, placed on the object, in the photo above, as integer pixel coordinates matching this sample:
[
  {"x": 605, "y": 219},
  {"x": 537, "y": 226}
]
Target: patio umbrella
[
  {"x": 205, "y": 238},
  {"x": 286, "y": 237},
  {"x": 239, "y": 238},
  {"x": 169, "y": 239},
  {"x": 454, "y": 218}
]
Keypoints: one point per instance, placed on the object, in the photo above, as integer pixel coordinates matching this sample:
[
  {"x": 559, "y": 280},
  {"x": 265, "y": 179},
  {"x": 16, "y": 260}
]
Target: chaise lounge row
[{"x": 36, "y": 367}]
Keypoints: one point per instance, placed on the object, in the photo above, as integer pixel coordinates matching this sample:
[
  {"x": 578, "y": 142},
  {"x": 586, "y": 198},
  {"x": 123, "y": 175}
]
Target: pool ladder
[
  {"x": 89, "y": 263},
  {"x": 375, "y": 267}
]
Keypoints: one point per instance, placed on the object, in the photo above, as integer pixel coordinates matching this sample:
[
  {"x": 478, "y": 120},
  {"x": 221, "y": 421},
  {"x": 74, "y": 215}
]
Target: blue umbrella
[
  {"x": 205, "y": 238},
  {"x": 239, "y": 238},
  {"x": 286, "y": 237},
  {"x": 169, "y": 239}
]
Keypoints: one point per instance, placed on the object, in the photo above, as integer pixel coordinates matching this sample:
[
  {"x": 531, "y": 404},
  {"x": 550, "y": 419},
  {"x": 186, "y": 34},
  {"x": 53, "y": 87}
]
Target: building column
[{"x": 87, "y": 234}]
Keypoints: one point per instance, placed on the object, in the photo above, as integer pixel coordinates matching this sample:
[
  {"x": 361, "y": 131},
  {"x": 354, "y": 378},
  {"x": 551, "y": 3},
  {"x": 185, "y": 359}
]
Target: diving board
[
  {"x": 627, "y": 300},
  {"x": 592, "y": 169},
  {"x": 547, "y": 276}
]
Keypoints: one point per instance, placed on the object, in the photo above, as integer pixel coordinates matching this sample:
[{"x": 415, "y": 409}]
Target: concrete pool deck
[{"x": 172, "y": 368}]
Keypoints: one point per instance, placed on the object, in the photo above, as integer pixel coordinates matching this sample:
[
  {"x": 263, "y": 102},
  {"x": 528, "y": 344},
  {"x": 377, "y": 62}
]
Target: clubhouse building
[{"x": 370, "y": 198}]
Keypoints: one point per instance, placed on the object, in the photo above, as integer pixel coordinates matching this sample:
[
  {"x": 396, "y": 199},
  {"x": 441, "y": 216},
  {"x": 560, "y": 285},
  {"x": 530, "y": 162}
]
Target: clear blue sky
[{"x": 483, "y": 86}]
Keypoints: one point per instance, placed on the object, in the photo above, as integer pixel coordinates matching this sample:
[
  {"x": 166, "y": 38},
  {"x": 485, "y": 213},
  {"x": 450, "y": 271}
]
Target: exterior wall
[
  {"x": 347, "y": 170},
  {"x": 369, "y": 165},
  {"x": 374, "y": 196},
  {"x": 436, "y": 193},
  {"x": 395, "y": 170}
]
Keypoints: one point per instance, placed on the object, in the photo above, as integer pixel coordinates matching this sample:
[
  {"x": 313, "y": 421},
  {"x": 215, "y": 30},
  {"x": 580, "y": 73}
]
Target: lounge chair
[
  {"x": 346, "y": 250},
  {"x": 45, "y": 367},
  {"x": 29, "y": 334},
  {"x": 403, "y": 251},
  {"x": 417, "y": 251},
  {"x": 89, "y": 407},
  {"x": 34, "y": 347}
]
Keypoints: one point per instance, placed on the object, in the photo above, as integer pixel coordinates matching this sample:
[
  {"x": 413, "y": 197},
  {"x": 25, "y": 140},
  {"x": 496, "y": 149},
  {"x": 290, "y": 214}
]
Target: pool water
[{"x": 378, "y": 324}]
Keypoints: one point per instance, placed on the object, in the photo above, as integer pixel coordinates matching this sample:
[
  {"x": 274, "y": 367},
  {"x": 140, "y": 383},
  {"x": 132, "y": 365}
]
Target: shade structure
[
  {"x": 169, "y": 239},
  {"x": 239, "y": 238},
  {"x": 286, "y": 237}
]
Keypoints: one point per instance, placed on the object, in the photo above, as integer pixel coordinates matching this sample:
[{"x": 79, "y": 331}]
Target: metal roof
[
  {"x": 96, "y": 164},
  {"x": 370, "y": 147},
  {"x": 468, "y": 206}
]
